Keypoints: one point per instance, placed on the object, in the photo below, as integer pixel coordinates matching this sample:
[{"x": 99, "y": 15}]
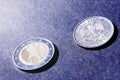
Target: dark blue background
[{"x": 55, "y": 20}]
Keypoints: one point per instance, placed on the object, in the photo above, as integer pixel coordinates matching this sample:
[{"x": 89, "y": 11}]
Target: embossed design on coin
[
  {"x": 93, "y": 32},
  {"x": 33, "y": 53}
]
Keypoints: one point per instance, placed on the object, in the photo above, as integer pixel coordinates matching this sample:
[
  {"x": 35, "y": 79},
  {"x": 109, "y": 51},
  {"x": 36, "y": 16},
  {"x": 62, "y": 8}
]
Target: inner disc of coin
[{"x": 34, "y": 53}]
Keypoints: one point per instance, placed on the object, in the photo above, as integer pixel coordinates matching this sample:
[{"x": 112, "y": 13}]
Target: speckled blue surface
[{"x": 55, "y": 20}]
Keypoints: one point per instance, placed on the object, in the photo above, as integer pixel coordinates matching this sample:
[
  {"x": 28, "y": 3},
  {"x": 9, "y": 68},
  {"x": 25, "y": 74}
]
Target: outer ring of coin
[
  {"x": 20, "y": 65},
  {"x": 77, "y": 42}
]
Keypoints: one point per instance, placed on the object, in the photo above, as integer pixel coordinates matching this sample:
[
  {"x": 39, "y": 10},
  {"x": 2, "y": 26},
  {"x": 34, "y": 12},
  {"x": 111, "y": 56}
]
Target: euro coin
[{"x": 33, "y": 54}]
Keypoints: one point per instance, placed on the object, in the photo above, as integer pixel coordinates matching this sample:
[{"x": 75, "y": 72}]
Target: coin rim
[
  {"x": 85, "y": 46},
  {"x": 53, "y": 51}
]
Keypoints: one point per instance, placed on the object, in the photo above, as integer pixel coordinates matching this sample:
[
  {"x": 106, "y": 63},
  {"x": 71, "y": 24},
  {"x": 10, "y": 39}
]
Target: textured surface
[{"x": 55, "y": 20}]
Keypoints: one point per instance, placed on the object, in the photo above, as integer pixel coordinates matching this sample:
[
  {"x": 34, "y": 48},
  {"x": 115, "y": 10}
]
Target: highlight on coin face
[
  {"x": 93, "y": 32},
  {"x": 33, "y": 54}
]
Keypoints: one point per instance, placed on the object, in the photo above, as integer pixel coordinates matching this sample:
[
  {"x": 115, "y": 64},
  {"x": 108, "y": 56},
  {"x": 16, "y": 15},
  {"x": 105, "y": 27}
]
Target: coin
[
  {"x": 33, "y": 54},
  {"x": 93, "y": 32}
]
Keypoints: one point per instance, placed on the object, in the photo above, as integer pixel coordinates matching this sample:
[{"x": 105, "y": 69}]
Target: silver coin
[{"x": 93, "y": 32}]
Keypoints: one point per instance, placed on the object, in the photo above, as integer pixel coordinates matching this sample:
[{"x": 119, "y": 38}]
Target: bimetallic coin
[
  {"x": 33, "y": 54},
  {"x": 93, "y": 32}
]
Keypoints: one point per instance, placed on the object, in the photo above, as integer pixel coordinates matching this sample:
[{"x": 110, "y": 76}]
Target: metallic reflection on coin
[
  {"x": 34, "y": 53},
  {"x": 93, "y": 32}
]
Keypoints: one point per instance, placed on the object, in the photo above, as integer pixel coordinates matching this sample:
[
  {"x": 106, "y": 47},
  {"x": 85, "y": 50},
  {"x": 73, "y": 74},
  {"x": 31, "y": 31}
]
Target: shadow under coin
[
  {"x": 112, "y": 40},
  {"x": 48, "y": 65}
]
